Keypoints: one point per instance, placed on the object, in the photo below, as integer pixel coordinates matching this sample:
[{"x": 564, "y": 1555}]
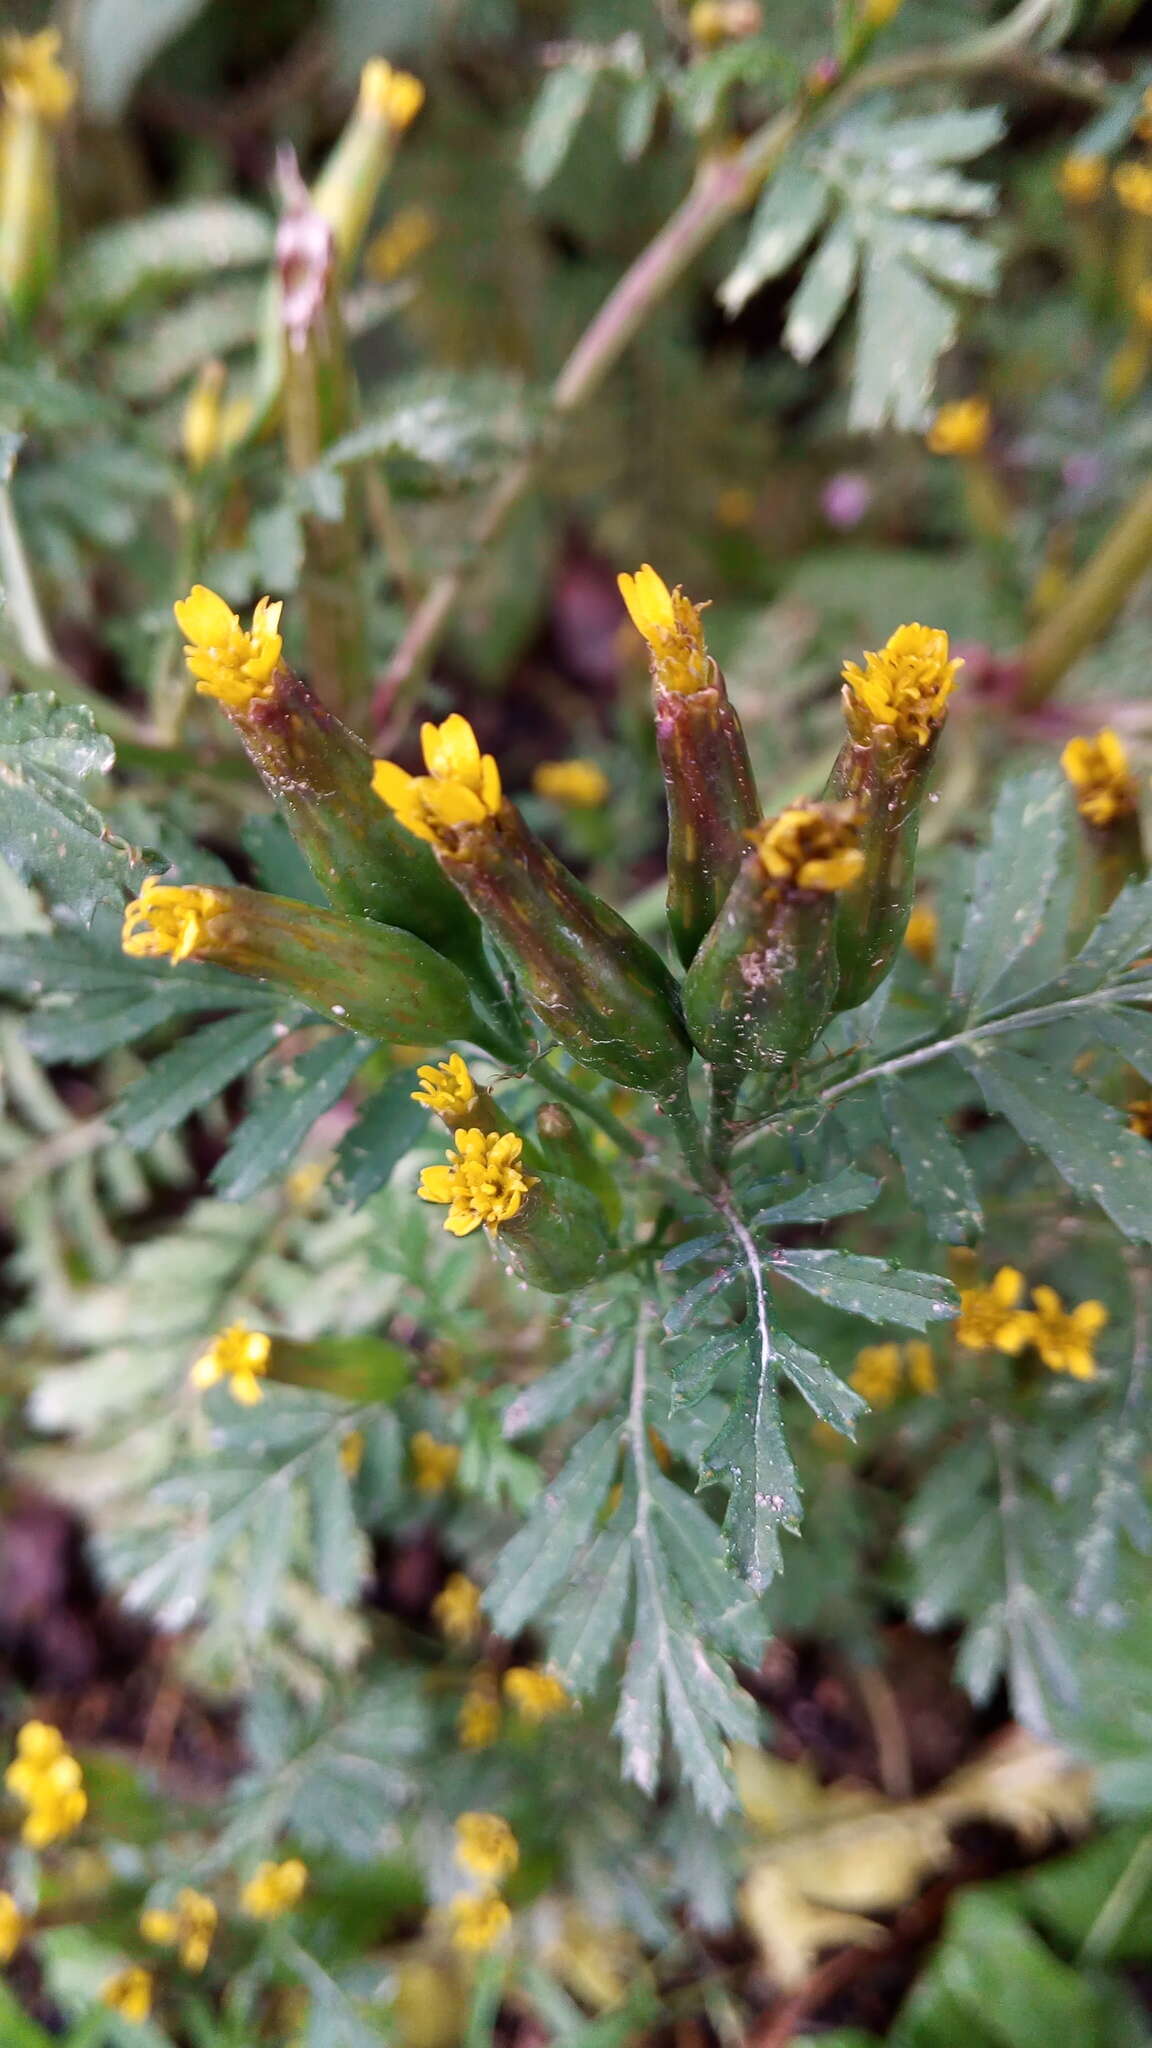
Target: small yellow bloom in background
[
  {"x": 388, "y": 95},
  {"x": 304, "y": 1183},
  {"x": 1082, "y": 179},
  {"x": 920, "y": 1367},
  {"x": 483, "y": 1182},
  {"x": 878, "y": 13},
  {"x": 535, "y": 1694},
  {"x": 812, "y": 847},
  {"x": 1099, "y": 773},
  {"x": 478, "y": 1722},
  {"x": 905, "y": 684},
  {"x": 200, "y": 426},
  {"x": 670, "y": 624},
  {"x": 227, "y": 662},
  {"x": 1142, "y": 306},
  {"x": 578, "y": 785},
  {"x": 32, "y": 79},
  {"x": 169, "y": 922},
  {"x": 1064, "y": 1337},
  {"x": 991, "y": 1318},
  {"x": 352, "y": 1452},
  {"x": 129, "y": 1993},
  {"x": 240, "y": 1356},
  {"x": 461, "y": 788},
  {"x": 434, "y": 1465},
  {"x": 724, "y": 21},
  {"x": 274, "y": 1888},
  {"x": 12, "y": 1927},
  {"x": 877, "y": 1373},
  {"x": 398, "y": 244},
  {"x": 456, "y": 1609},
  {"x": 448, "y": 1089},
  {"x": 486, "y": 1846},
  {"x": 478, "y": 1923},
  {"x": 736, "y": 506},
  {"x": 961, "y": 428},
  {"x": 1132, "y": 184},
  {"x": 1140, "y": 1117},
  {"x": 922, "y": 933},
  {"x": 190, "y": 1927},
  {"x": 46, "y": 1778}
]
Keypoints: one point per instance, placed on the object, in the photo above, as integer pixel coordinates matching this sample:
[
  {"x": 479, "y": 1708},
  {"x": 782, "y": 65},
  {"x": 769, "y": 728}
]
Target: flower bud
[
  {"x": 764, "y": 981},
  {"x": 565, "y": 1150},
  {"x": 1112, "y": 843},
  {"x": 894, "y": 708},
  {"x": 452, "y": 1094},
  {"x": 711, "y": 791},
  {"x": 345, "y": 192},
  {"x": 367, "y": 977},
  {"x": 201, "y": 436},
  {"x": 606, "y": 995},
  {"x": 37, "y": 94}
]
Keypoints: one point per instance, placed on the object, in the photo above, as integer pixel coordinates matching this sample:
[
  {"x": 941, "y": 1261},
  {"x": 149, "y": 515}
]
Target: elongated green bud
[
  {"x": 894, "y": 707},
  {"x": 605, "y": 994},
  {"x": 565, "y": 1150},
  {"x": 711, "y": 790},
  {"x": 763, "y": 983},
  {"x": 1112, "y": 842},
  {"x": 36, "y": 93},
  {"x": 367, "y": 977}
]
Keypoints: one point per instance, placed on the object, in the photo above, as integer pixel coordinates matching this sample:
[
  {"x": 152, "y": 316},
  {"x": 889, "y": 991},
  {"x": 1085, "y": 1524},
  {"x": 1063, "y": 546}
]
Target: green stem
[
  {"x": 724, "y": 1085},
  {"x": 1091, "y": 603},
  {"x": 690, "y": 1136},
  {"x": 588, "y": 1105}
]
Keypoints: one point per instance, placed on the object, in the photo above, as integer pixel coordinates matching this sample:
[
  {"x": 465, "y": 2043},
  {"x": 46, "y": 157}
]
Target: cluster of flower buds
[{"x": 451, "y": 920}]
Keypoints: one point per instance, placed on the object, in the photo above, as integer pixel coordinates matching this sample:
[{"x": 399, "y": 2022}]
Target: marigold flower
[
  {"x": 392, "y": 96},
  {"x": 448, "y": 1088},
  {"x": 876, "y": 1374},
  {"x": 32, "y": 79},
  {"x": 12, "y": 1927},
  {"x": 921, "y": 933},
  {"x": 483, "y": 1183},
  {"x": 200, "y": 426},
  {"x": 227, "y": 662},
  {"x": 189, "y": 1927},
  {"x": 462, "y": 786},
  {"x": 456, "y": 1608},
  {"x": 169, "y": 922},
  {"x": 991, "y": 1319},
  {"x": 811, "y": 846},
  {"x": 906, "y": 685},
  {"x": 478, "y": 1923},
  {"x": 1082, "y": 179},
  {"x": 535, "y": 1694},
  {"x": 486, "y": 1846},
  {"x": 961, "y": 428},
  {"x": 1140, "y": 1117},
  {"x": 670, "y": 624},
  {"x": 478, "y": 1722},
  {"x": 47, "y": 1779},
  {"x": 579, "y": 785},
  {"x": 398, "y": 244},
  {"x": 240, "y": 1356},
  {"x": 129, "y": 1993},
  {"x": 1063, "y": 1337},
  {"x": 1132, "y": 184},
  {"x": 274, "y": 1888},
  {"x": 1099, "y": 773},
  {"x": 434, "y": 1464}
]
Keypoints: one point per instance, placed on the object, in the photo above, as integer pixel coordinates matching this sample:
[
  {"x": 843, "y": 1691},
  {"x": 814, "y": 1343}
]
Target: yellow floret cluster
[
  {"x": 47, "y": 1780},
  {"x": 905, "y": 685},
  {"x": 483, "y": 1182},
  {"x": 812, "y": 846},
  {"x": 461, "y": 788}
]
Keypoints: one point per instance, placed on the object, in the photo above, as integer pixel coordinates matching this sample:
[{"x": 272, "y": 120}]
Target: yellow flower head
[
  {"x": 461, "y": 788},
  {"x": 129, "y": 1993},
  {"x": 167, "y": 922},
  {"x": 189, "y": 1927},
  {"x": 398, "y": 244},
  {"x": 961, "y": 428},
  {"x": 486, "y": 1846},
  {"x": 723, "y": 21},
  {"x": 200, "y": 426},
  {"x": 48, "y": 1781},
  {"x": 1064, "y": 1337},
  {"x": 1082, "y": 179},
  {"x": 877, "y": 13},
  {"x": 1132, "y": 184},
  {"x": 991, "y": 1319},
  {"x": 478, "y": 1923},
  {"x": 274, "y": 1888},
  {"x": 238, "y": 1355},
  {"x": 535, "y": 1694},
  {"x": 448, "y": 1089},
  {"x": 478, "y": 1722},
  {"x": 12, "y": 1927},
  {"x": 921, "y": 934},
  {"x": 876, "y": 1374},
  {"x": 434, "y": 1465},
  {"x": 578, "y": 785},
  {"x": 920, "y": 1367},
  {"x": 811, "y": 846},
  {"x": 1099, "y": 773},
  {"x": 388, "y": 95},
  {"x": 456, "y": 1609},
  {"x": 32, "y": 79},
  {"x": 483, "y": 1183},
  {"x": 227, "y": 662},
  {"x": 905, "y": 685},
  {"x": 671, "y": 626},
  {"x": 1140, "y": 1117}
]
